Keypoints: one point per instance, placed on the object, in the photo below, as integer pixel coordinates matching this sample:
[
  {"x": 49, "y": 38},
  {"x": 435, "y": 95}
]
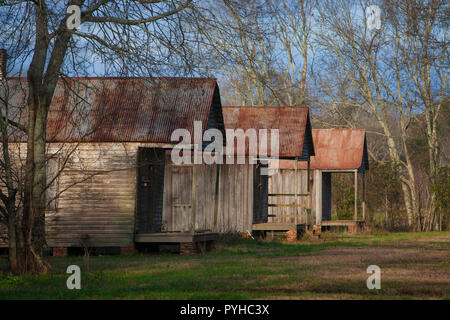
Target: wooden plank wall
[
  {"x": 98, "y": 190},
  {"x": 17, "y": 152},
  {"x": 235, "y": 212},
  {"x": 235, "y": 198},
  {"x": 206, "y": 184},
  {"x": 177, "y": 197},
  {"x": 98, "y": 206},
  {"x": 3, "y": 235},
  {"x": 284, "y": 182}
]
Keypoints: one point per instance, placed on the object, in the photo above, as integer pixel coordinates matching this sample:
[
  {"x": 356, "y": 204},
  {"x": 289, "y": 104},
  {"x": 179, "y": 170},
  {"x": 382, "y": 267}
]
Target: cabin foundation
[
  {"x": 189, "y": 243},
  {"x": 353, "y": 226},
  {"x": 127, "y": 250},
  {"x": 352, "y": 229},
  {"x": 60, "y": 252},
  {"x": 317, "y": 229},
  {"x": 187, "y": 248},
  {"x": 291, "y": 236}
]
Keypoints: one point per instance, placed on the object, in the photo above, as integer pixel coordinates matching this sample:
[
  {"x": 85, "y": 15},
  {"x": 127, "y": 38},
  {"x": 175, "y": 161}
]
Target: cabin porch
[
  {"x": 353, "y": 226},
  {"x": 176, "y": 204},
  {"x": 324, "y": 218}
]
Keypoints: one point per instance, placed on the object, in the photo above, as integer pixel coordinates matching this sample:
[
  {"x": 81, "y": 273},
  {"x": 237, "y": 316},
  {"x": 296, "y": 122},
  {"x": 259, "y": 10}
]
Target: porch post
[
  {"x": 193, "y": 200},
  {"x": 216, "y": 197},
  {"x": 318, "y": 191},
  {"x": 308, "y": 191},
  {"x": 296, "y": 190},
  {"x": 364, "y": 195},
  {"x": 356, "y": 196},
  {"x": 308, "y": 177}
]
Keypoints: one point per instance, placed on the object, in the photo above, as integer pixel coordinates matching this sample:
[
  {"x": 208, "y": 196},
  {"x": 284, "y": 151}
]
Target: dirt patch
[
  {"x": 340, "y": 273},
  {"x": 374, "y": 255},
  {"x": 440, "y": 238}
]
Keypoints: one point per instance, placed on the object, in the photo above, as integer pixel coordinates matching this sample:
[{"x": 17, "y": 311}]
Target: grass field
[{"x": 413, "y": 266}]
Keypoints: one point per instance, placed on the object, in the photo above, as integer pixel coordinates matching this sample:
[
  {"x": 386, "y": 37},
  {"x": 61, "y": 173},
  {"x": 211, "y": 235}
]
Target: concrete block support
[
  {"x": 60, "y": 252},
  {"x": 127, "y": 250},
  {"x": 187, "y": 248},
  {"x": 291, "y": 236}
]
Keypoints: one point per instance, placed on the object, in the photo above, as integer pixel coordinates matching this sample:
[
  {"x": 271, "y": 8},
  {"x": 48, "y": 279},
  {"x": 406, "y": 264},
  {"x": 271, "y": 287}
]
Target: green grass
[{"x": 249, "y": 269}]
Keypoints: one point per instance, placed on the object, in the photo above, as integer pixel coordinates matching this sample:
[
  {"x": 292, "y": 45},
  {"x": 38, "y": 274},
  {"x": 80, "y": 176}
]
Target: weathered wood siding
[
  {"x": 284, "y": 182},
  {"x": 177, "y": 200},
  {"x": 17, "y": 153},
  {"x": 235, "y": 209},
  {"x": 3, "y": 235},
  {"x": 96, "y": 190},
  {"x": 235, "y": 201},
  {"x": 104, "y": 205},
  {"x": 235, "y": 198},
  {"x": 97, "y": 207}
]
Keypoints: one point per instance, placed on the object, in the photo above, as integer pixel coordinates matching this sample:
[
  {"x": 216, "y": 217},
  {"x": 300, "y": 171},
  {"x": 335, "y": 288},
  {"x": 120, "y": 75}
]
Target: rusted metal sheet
[
  {"x": 336, "y": 149},
  {"x": 292, "y": 123},
  {"x": 122, "y": 109}
]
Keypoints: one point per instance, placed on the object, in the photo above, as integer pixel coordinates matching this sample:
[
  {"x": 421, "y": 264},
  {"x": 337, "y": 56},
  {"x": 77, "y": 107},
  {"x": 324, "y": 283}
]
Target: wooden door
[
  {"x": 326, "y": 196},
  {"x": 260, "y": 194},
  {"x": 180, "y": 198},
  {"x": 150, "y": 186}
]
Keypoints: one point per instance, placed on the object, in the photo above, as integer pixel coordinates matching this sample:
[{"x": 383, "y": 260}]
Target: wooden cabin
[
  {"x": 336, "y": 151},
  {"x": 111, "y": 179},
  {"x": 246, "y": 198}
]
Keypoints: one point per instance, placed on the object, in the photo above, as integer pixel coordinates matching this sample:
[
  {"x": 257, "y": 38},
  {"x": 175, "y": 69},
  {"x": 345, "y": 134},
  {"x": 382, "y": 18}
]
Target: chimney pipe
[{"x": 3, "y": 58}]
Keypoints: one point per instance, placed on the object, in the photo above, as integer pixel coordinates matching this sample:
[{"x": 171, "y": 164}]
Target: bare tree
[
  {"x": 391, "y": 74},
  {"x": 260, "y": 48},
  {"x": 127, "y": 37},
  {"x": 420, "y": 33}
]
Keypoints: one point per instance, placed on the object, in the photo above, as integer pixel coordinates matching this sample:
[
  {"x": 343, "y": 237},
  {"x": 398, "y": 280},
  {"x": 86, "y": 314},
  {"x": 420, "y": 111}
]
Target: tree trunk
[
  {"x": 408, "y": 188},
  {"x": 31, "y": 257},
  {"x": 12, "y": 245}
]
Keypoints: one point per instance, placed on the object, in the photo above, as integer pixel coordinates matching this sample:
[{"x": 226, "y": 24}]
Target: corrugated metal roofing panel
[
  {"x": 290, "y": 121},
  {"x": 122, "y": 109},
  {"x": 336, "y": 149}
]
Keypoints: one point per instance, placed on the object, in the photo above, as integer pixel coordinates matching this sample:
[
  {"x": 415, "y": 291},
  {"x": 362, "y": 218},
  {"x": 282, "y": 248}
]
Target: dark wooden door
[
  {"x": 326, "y": 196},
  {"x": 260, "y": 194},
  {"x": 150, "y": 187}
]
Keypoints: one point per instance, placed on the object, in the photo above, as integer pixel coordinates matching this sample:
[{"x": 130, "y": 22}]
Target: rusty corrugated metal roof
[
  {"x": 292, "y": 123},
  {"x": 123, "y": 109},
  {"x": 336, "y": 149}
]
